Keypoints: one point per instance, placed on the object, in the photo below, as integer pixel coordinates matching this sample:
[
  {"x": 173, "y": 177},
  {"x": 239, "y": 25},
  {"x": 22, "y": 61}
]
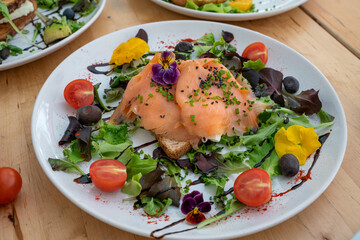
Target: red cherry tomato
[
  {"x": 10, "y": 184},
  {"x": 253, "y": 187},
  {"x": 79, "y": 93},
  {"x": 108, "y": 174},
  {"x": 255, "y": 51}
]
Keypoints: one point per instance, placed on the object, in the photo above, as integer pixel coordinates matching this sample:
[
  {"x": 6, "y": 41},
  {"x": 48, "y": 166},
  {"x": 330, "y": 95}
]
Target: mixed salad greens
[
  {"x": 156, "y": 182},
  {"x": 226, "y": 6},
  {"x": 64, "y": 19}
]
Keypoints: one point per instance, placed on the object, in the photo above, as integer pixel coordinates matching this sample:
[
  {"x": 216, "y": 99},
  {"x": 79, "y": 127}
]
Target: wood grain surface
[{"x": 42, "y": 212}]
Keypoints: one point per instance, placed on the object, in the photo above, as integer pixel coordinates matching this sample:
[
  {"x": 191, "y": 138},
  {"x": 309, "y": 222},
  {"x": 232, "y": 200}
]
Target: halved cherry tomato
[
  {"x": 108, "y": 174},
  {"x": 253, "y": 187},
  {"x": 79, "y": 93},
  {"x": 255, "y": 51},
  {"x": 10, "y": 184}
]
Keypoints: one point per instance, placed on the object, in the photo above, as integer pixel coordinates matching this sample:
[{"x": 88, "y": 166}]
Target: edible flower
[
  {"x": 134, "y": 48},
  {"x": 166, "y": 71},
  {"x": 193, "y": 206},
  {"x": 297, "y": 140}
]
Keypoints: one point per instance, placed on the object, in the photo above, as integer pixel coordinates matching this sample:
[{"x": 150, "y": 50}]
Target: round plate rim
[
  {"x": 134, "y": 229},
  {"x": 226, "y": 16}
]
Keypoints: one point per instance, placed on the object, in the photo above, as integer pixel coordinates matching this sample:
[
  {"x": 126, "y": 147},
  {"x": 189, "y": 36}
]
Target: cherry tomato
[
  {"x": 79, "y": 93},
  {"x": 253, "y": 187},
  {"x": 108, "y": 174},
  {"x": 255, "y": 51},
  {"x": 10, "y": 184}
]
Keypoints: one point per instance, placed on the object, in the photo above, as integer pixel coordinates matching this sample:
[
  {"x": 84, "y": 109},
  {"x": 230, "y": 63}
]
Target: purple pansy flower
[
  {"x": 194, "y": 200},
  {"x": 166, "y": 71}
]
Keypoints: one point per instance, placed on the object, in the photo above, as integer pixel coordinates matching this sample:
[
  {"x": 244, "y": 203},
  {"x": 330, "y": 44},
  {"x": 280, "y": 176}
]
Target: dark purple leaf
[
  {"x": 159, "y": 153},
  {"x": 166, "y": 188},
  {"x": 278, "y": 98},
  {"x": 203, "y": 164},
  {"x": 185, "y": 164},
  {"x": 227, "y": 36},
  {"x": 235, "y": 54},
  {"x": 309, "y": 102},
  {"x": 204, "y": 207},
  {"x": 151, "y": 178},
  {"x": 188, "y": 205},
  {"x": 70, "y": 131},
  {"x": 83, "y": 137},
  {"x": 272, "y": 78},
  {"x": 142, "y": 34},
  {"x": 208, "y": 55}
]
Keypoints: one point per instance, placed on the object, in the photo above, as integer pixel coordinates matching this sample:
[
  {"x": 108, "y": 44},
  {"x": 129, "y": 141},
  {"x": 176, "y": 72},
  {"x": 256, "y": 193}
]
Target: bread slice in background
[
  {"x": 12, "y": 5},
  {"x": 173, "y": 149},
  {"x": 7, "y": 29}
]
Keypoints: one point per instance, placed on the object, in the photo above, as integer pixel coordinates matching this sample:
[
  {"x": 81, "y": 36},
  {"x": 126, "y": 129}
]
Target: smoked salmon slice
[{"x": 205, "y": 103}]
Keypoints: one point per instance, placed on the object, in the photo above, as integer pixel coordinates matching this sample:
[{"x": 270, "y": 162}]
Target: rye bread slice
[{"x": 174, "y": 149}]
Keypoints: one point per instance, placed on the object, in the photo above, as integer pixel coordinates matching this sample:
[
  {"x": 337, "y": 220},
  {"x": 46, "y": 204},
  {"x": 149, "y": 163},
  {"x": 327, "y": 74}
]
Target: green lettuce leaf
[
  {"x": 231, "y": 207},
  {"x": 113, "y": 134},
  {"x": 271, "y": 164},
  {"x": 137, "y": 165},
  {"x": 107, "y": 150},
  {"x": 133, "y": 187},
  {"x": 155, "y": 207},
  {"x": 63, "y": 165},
  {"x": 256, "y": 65},
  {"x": 325, "y": 117}
]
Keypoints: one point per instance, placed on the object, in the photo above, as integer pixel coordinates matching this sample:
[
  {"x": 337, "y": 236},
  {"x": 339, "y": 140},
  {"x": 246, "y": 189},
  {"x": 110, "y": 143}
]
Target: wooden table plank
[
  {"x": 44, "y": 213},
  {"x": 341, "y": 18}
]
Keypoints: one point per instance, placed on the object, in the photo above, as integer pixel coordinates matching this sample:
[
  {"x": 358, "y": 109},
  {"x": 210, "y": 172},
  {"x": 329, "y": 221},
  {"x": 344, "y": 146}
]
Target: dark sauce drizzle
[
  {"x": 92, "y": 68},
  {"x": 200, "y": 180},
  {"x": 322, "y": 140},
  {"x": 145, "y": 145},
  {"x": 263, "y": 160}
]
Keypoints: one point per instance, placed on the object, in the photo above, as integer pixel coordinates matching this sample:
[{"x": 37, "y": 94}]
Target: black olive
[
  {"x": 5, "y": 53},
  {"x": 289, "y": 165},
  {"x": 291, "y": 84},
  {"x": 89, "y": 114},
  {"x": 69, "y": 14},
  {"x": 227, "y": 36},
  {"x": 252, "y": 76},
  {"x": 184, "y": 47}
]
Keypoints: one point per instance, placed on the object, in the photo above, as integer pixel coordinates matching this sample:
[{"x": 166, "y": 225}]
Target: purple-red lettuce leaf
[
  {"x": 70, "y": 131},
  {"x": 164, "y": 189},
  {"x": 272, "y": 78},
  {"x": 309, "y": 102}
]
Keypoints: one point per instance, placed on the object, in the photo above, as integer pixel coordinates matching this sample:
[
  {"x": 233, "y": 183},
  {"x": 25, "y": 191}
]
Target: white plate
[
  {"x": 49, "y": 122},
  {"x": 29, "y": 55},
  {"x": 265, "y": 9}
]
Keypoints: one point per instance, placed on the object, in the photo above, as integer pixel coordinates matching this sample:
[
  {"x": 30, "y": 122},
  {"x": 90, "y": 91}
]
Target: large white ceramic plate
[
  {"x": 33, "y": 53},
  {"x": 266, "y": 8},
  {"x": 49, "y": 122}
]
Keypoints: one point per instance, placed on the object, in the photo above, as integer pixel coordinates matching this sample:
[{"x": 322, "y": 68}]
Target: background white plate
[
  {"x": 27, "y": 56},
  {"x": 266, "y": 9},
  {"x": 49, "y": 122}
]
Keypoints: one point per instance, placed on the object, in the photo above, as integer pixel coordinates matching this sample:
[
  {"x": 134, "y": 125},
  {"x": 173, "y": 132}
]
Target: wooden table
[{"x": 326, "y": 32}]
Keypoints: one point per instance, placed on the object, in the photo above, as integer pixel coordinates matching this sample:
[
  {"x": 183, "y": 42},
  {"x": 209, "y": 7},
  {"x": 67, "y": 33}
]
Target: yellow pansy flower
[
  {"x": 297, "y": 140},
  {"x": 134, "y": 48},
  {"x": 242, "y": 5}
]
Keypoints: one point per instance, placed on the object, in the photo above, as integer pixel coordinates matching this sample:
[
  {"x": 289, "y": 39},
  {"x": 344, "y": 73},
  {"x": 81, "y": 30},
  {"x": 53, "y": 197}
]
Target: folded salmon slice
[
  {"x": 206, "y": 103},
  {"x": 212, "y": 102},
  {"x": 153, "y": 105}
]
